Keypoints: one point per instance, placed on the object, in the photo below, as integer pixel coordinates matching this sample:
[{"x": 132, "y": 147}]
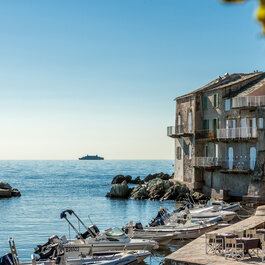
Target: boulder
[
  {"x": 176, "y": 192},
  {"x": 157, "y": 175},
  {"x": 120, "y": 178},
  {"x": 157, "y": 187},
  {"x": 137, "y": 180},
  {"x": 119, "y": 190},
  {"x": 5, "y": 185},
  {"x": 139, "y": 193}
]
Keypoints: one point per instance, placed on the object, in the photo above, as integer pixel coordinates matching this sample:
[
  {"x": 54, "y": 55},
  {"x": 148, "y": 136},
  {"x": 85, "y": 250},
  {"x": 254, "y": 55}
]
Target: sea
[{"x": 50, "y": 187}]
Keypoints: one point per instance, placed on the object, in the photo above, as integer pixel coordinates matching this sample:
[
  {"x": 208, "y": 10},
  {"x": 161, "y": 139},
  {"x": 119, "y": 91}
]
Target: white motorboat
[
  {"x": 91, "y": 241},
  {"x": 59, "y": 257},
  {"x": 220, "y": 210},
  {"x": 162, "y": 237},
  {"x": 183, "y": 231},
  {"x": 188, "y": 229},
  {"x": 203, "y": 214}
]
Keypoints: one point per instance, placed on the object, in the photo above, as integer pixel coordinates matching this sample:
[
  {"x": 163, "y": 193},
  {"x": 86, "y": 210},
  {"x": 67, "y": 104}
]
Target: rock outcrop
[
  {"x": 6, "y": 191},
  {"x": 119, "y": 190},
  {"x": 154, "y": 187}
]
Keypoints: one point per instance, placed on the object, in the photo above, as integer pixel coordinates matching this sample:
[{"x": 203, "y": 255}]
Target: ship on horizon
[{"x": 88, "y": 157}]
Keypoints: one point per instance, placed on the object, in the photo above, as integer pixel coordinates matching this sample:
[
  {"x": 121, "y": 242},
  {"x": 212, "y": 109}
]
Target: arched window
[{"x": 190, "y": 121}]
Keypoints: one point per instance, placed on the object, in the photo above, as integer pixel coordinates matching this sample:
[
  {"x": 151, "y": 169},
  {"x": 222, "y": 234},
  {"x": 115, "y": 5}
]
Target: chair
[
  {"x": 250, "y": 233},
  {"x": 213, "y": 244},
  {"x": 239, "y": 233},
  {"x": 260, "y": 237},
  {"x": 233, "y": 249},
  {"x": 263, "y": 251}
]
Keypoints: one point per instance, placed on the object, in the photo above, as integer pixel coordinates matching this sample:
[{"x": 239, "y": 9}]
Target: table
[{"x": 249, "y": 243}]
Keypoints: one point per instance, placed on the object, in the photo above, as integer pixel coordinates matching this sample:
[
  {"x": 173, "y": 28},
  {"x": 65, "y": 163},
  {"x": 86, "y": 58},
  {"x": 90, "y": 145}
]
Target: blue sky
[{"x": 100, "y": 76}]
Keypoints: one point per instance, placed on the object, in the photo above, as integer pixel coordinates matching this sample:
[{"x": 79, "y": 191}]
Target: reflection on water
[{"x": 49, "y": 187}]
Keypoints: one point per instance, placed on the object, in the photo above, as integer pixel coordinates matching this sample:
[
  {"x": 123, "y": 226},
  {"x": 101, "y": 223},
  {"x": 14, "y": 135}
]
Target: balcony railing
[
  {"x": 248, "y": 101},
  {"x": 237, "y": 133},
  {"x": 205, "y": 134},
  {"x": 171, "y": 131},
  {"x": 206, "y": 162},
  {"x": 177, "y": 131},
  {"x": 246, "y": 164},
  {"x": 240, "y": 165}
]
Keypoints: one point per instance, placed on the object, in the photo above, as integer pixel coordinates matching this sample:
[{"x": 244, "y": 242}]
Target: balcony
[
  {"x": 248, "y": 102},
  {"x": 238, "y": 166},
  {"x": 205, "y": 134},
  {"x": 177, "y": 131},
  {"x": 241, "y": 133},
  {"x": 206, "y": 162}
]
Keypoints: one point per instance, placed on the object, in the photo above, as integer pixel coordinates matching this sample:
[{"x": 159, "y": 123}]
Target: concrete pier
[{"x": 194, "y": 252}]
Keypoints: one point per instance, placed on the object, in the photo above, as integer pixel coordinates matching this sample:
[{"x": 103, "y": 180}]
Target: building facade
[{"x": 219, "y": 136}]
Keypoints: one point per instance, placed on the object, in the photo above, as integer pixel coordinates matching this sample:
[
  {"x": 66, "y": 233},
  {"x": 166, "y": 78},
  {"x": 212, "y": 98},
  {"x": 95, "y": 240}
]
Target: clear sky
[{"x": 99, "y": 76}]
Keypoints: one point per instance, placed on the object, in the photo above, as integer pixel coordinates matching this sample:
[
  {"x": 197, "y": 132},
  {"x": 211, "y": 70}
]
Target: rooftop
[{"x": 225, "y": 81}]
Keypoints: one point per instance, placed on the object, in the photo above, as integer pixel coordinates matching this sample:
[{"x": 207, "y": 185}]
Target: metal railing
[
  {"x": 175, "y": 130},
  {"x": 206, "y": 162},
  {"x": 238, "y": 164},
  {"x": 248, "y": 101},
  {"x": 171, "y": 130},
  {"x": 237, "y": 133}
]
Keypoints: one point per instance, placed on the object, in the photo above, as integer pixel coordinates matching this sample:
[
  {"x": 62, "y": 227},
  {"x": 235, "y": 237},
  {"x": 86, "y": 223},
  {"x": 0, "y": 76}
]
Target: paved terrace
[{"x": 194, "y": 252}]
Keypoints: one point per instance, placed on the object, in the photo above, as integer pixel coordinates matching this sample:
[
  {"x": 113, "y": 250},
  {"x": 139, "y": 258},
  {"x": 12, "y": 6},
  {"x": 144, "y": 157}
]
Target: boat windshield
[{"x": 115, "y": 232}]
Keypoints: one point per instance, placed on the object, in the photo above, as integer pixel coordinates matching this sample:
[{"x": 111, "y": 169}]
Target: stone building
[{"x": 219, "y": 136}]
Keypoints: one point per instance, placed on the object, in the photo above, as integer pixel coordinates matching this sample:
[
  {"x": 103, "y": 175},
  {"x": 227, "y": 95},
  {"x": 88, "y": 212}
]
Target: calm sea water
[{"x": 49, "y": 187}]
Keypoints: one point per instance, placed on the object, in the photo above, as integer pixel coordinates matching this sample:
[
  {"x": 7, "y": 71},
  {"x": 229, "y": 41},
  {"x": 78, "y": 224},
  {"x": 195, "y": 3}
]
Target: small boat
[
  {"x": 187, "y": 230},
  {"x": 220, "y": 210},
  {"x": 162, "y": 237},
  {"x": 88, "y": 157},
  {"x": 59, "y": 258},
  {"x": 91, "y": 240}
]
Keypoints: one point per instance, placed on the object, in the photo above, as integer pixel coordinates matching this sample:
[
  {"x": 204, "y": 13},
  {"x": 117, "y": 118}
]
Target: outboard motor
[
  {"x": 7, "y": 259},
  {"x": 138, "y": 226},
  {"x": 51, "y": 241}
]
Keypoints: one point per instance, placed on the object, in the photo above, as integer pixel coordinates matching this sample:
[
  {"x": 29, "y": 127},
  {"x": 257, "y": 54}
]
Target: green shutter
[
  {"x": 207, "y": 125},
  {"x": 205, "y": 101},
  {"x": 217, "y": 100}
]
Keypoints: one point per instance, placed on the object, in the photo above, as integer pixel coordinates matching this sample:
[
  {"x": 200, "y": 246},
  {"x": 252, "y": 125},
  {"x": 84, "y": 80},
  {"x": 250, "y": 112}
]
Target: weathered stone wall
[{"x": 238, "y": 184}]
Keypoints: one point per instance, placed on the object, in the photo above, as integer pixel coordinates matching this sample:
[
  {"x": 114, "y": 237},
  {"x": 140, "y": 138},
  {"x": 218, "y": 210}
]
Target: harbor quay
[{"x": 194, "y": 253}]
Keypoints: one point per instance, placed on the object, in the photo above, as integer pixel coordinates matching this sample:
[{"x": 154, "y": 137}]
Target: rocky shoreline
[
  {"x": 157, "y": 186},
  {"x": 6, "y": 191}
]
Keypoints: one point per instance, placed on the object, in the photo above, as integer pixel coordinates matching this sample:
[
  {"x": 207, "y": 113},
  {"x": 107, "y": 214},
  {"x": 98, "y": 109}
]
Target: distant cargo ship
[{"x": 96, "y": 157}]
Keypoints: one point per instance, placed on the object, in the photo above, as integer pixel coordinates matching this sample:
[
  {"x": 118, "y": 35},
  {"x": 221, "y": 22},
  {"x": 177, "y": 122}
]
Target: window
[
  {"x": 215, "y": 123},
  {"x": 227, "y": 104},
  {"x": 206, "y": 151},
  {"x": 260, "y": 123},
  {"x": 190, "y": 122},
  {"x": 216, "y": 151},
  {"x": 179, "y": 124},
  {"x": 190, "y": 150},
  {"x": 205, "y": 125},
  {"x": 179, "y": 153},
  {"x": 205, "y": 102},
  {"x": 216, "y": 100}
]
